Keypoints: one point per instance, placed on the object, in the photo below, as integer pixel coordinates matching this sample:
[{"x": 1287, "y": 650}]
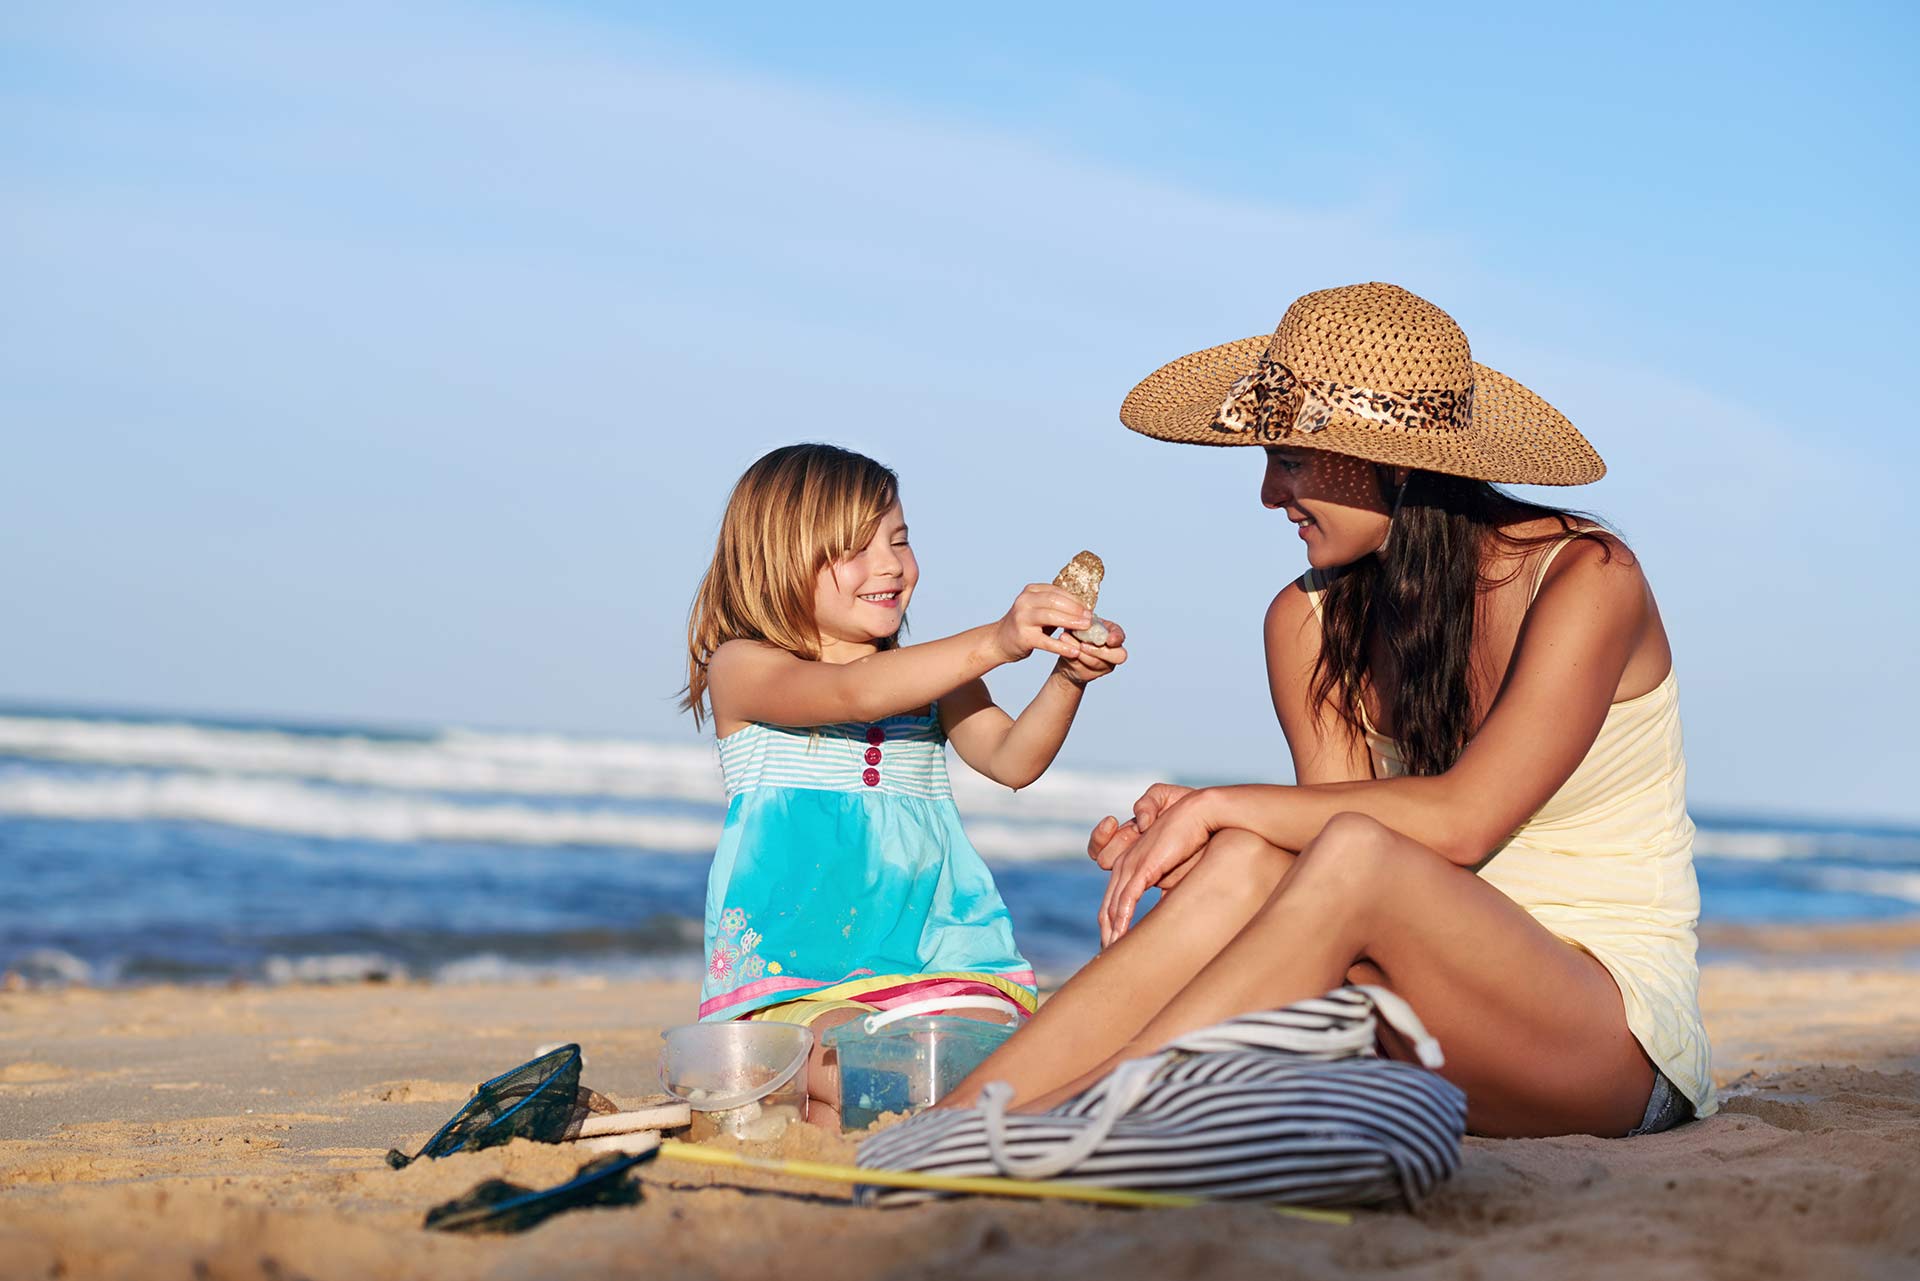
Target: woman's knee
[
  {"x": 1352, "y": 851},
  {"x": 1239, "y": 865}
]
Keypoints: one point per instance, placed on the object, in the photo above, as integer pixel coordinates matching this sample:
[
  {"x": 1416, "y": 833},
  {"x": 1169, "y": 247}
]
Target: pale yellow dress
[{"x": 1607, "y": 865}]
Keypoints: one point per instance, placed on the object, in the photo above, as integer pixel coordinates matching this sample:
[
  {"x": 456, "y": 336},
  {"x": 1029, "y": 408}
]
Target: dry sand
[{"x": 239, "y": 1133}]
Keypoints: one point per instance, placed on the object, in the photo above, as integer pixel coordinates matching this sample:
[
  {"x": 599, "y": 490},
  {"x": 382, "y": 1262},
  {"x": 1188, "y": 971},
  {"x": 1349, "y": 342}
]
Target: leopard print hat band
[
  {"x": 1273, "y": 402},
  {"x": 1372, "y": 371}
]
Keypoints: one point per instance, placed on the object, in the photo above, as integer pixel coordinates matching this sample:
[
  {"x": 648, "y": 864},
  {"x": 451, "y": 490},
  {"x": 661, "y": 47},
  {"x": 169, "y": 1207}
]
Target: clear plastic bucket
[
  {"x": 748, "y": 1080},
  {"x": 904, "y": 1059}
]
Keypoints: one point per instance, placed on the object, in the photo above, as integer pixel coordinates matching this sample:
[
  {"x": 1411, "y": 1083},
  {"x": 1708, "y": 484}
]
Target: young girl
[{"x": 843, "y": 882}]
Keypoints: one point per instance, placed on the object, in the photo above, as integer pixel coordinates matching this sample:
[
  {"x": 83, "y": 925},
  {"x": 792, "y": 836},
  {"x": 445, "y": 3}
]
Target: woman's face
[
  {"x": 861, "y": 598},
  {"x": 1333, "y": 500}
]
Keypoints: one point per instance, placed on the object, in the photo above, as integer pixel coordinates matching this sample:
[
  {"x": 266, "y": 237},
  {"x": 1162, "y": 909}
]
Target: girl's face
[
  {"x": 1333, "y": 500},
  {"x": 860, "y": 599}
]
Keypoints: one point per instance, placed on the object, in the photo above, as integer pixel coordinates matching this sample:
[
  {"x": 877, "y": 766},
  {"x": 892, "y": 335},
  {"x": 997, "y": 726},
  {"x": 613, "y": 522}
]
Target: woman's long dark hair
[{"x": 1415, "y": 602}]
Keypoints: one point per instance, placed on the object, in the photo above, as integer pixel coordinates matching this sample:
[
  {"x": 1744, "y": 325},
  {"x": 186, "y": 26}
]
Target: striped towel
[{"x": 1289, "y": 1105}]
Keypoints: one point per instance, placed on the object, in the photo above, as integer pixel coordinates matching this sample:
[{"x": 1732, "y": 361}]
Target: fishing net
[
  {"x": 500, "y": 1206},
  {"x": 539, "y": 1100}
]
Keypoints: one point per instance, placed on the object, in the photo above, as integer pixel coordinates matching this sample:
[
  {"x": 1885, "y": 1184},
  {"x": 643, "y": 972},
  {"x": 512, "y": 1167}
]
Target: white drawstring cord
[
  {"x": 1125, "y": 1086},
  {"x": 1400, "y": 1017},
  {"x": 1129, "y": 1082}
]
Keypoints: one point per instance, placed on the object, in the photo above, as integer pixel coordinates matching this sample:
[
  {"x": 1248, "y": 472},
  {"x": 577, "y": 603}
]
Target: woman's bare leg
[
  {"x": 1108, "y": 1002},
  {"x": 1534, "y": 1029}
]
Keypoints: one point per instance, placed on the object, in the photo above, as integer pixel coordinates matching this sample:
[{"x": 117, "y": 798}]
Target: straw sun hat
[{"x": 1374, "y": 372}]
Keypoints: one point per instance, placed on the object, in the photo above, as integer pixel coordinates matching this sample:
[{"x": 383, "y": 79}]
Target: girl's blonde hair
[{"x": 795, "y": 512}]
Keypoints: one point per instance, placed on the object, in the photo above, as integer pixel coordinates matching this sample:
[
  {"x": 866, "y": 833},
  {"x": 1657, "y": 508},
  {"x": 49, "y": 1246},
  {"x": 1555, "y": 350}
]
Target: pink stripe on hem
[
  {"x": 758, "y": 988},
  {"x": 907, "y": 993},
  {"x": 885, "y": 997}
]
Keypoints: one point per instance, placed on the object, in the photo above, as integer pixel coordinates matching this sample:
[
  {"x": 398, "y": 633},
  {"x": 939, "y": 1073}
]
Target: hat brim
[{"x": 1516, "y": 438}]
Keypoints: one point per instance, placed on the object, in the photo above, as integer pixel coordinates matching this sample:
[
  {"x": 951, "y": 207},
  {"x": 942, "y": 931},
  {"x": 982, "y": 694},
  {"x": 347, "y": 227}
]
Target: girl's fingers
[
  {"x": 1048, "y": 594},
  {"x": 1070, "y": 618},
  {"x": 1102, "y": 833}
]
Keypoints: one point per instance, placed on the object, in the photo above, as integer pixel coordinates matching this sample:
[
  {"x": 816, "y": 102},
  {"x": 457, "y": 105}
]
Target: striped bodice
[{"x": 897, "y": 756}]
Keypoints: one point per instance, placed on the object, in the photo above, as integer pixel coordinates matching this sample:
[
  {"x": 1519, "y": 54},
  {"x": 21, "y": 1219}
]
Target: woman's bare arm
[
  {"x": 1324, "y": 749},
  {"x": 1566, "y": 669}
]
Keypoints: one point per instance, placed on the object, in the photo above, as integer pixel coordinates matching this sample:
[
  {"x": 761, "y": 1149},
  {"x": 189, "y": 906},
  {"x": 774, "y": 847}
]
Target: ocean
[{"x": 141, "y": 849}]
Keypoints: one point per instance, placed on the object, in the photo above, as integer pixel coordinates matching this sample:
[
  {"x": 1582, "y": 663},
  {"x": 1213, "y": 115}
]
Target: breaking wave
[
  {"x": 477, "y": 762},
  {"x": 332, "y": 813}
]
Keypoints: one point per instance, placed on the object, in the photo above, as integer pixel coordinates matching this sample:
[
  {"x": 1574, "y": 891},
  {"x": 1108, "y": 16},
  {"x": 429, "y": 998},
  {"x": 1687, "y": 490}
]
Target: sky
[{"x": 392, "y": 363}]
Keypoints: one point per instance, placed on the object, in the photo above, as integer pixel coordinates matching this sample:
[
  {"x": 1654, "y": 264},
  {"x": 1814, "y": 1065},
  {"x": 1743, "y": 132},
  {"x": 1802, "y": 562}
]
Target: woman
[{"x": 1478, "y": 693}]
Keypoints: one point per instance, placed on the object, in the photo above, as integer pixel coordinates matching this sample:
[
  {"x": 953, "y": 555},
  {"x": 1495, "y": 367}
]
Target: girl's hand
[
  {"x": 1176, "y": 834},
  {"x": 1095, "y": 661},
  {"x": 1029, "y": 625}
]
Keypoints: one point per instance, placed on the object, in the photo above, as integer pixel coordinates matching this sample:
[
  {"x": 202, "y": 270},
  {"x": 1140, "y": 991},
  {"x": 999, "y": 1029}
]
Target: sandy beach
[{"x": 240, "y": 1132}]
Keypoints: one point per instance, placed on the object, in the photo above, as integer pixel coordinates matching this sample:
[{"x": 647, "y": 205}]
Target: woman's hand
[
  {"x": 1111, "y": 838},
  {"x": 1096, "y": 661},
  {"x": 1159, "y": 846},
  {"x": 1037, "y": 612}
]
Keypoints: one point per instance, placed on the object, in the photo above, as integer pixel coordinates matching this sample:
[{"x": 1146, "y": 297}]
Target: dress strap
[
  {"x": 1540, "y": 570},
  {"x": 1314, "y": 584}
]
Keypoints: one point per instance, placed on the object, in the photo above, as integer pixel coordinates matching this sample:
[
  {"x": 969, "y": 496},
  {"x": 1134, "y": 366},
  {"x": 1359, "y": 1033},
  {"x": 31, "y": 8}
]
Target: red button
[
  {"x": 873, "y": 756},
  {"x": 876, "y": 735},
  {"x": 871, "y": 778}
]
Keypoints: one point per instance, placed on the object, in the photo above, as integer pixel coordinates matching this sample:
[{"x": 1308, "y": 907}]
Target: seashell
[{"x": 1081, "y": 579}]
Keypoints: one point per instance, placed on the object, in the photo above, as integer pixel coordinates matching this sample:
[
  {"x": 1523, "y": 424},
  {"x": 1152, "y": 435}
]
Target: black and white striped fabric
[{"x": 1290, "y": 1105}]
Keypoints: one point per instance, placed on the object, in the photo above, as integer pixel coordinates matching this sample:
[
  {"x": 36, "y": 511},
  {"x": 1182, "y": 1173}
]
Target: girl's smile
[{"x": 860, "y": 599}]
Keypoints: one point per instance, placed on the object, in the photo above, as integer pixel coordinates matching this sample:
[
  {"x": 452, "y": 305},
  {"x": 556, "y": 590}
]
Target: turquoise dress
[{"x": 843, "y": 874}]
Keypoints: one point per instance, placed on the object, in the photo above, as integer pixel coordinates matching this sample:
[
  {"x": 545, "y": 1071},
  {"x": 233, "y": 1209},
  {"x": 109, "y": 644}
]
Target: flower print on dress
[
  {"x": 749, "y": 940},
  {"x": 720, "y": 964},
  {"x": 751, "y": 968},
  {"x": 732, "y": 921}
]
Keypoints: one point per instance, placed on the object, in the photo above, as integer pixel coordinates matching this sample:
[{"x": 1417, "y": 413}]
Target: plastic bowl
[
  {"x": 748, "y": 1080},
  {"x": 907, "y": 1065}
]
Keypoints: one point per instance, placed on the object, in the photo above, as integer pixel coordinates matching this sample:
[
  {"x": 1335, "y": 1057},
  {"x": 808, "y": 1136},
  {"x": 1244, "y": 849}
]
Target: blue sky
[{"x": 393, "y": 362}]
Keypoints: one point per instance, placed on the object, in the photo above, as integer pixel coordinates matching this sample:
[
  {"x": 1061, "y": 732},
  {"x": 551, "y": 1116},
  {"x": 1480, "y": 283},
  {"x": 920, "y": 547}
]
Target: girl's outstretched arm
[
  {"x": 755, "y": 681},
  {"x": 1016, "y": 752}
]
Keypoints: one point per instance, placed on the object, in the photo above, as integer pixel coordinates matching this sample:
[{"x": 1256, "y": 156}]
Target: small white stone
[{"x": 1097, "y": 634}]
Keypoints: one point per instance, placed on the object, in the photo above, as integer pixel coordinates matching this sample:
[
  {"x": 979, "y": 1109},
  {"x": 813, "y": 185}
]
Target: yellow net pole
[{"x": 680, "y": 1150}]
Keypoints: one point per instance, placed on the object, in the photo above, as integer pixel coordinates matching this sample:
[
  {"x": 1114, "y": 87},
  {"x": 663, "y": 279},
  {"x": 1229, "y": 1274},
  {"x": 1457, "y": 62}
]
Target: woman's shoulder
[
  {"x": 1585, "y": 552},
  {"x": 1293, "y": 619},
  {"x": 1300, "y": 600}
]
